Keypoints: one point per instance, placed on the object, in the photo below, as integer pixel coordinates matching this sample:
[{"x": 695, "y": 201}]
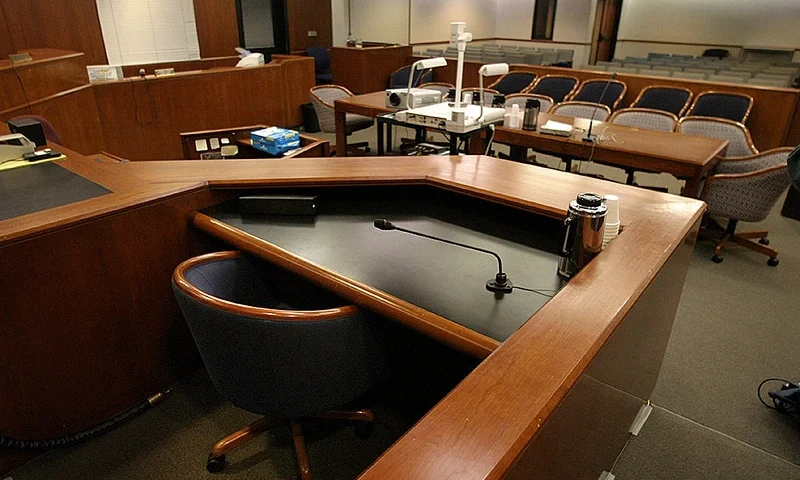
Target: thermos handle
[{"x": 569, "y": 237}]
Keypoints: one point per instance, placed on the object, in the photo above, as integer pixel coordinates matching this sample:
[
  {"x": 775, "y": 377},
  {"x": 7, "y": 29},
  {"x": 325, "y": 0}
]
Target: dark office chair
[
  {"x": 674, "y": 100},
  {"x": 590, "y": 91},
  {"x": 322, "y": 64},
  {"x": 557, "y": 87},
  {"x": 745, "y": 189},
  {"x": 275, "y": 345},
  {"x": 399, "y": 78},
  {"x": 514, "y": 82},
  {"x": 716, "y": 53},
  {"x": 730, "y": 106},
  {"x": 50, "y": 132}
]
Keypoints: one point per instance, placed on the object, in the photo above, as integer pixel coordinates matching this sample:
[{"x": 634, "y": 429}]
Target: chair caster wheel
[
  {"x": 364, "y": 430},
  {"x": 763, "y": 241},
  {"x": 772, "y": 262},
  {"x": 215, "y": 464},
  {"x": 717, "y": 259},
  {"x": 367, "y": 149}
]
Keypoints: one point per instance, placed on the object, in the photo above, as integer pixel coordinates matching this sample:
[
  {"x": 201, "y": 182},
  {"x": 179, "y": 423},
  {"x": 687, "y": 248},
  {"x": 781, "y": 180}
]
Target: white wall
[
  {"x": 380, "y": 20},
  {"x": 430, "y": 19}
]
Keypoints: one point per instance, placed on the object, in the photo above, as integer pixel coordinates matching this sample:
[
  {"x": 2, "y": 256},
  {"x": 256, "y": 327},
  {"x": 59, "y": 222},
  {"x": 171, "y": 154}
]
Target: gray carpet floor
[{"x": 737, "y": 324}]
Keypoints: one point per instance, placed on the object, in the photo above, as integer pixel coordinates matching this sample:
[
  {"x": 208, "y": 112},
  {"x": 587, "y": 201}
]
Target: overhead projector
[
  {"x": 416, "y": 97},
  {"x": 447, "y": 116}
]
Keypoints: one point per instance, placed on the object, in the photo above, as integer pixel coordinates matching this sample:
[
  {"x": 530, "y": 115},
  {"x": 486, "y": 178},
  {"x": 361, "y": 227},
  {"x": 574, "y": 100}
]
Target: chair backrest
[
  {"x": 545, "y": 102},
  {"x": 557, "y": 87},
  {"x": 736, "y": 133},
  {"x": 731, "y": 106},
  {"x": 488, "y": 94},
  {"x": 399, "y": 78},
  {"x": 749, "y": 189},
  {"x": 549, "y": 58},
  {"x": 50, "y": 132},
  {"x": 322, "y": 97},
  {"x": 645, "y": 118},
  {"x": 322, "y": 59},
  {"x": 690, "y": 75},
  {"x": 587, "y": 110},
  {"x": 716, "y": 52},
  {"x": 674, "y": 100},
  {"x": 514, "y": 82},
  {"x": 533, "y": 58},
  {"x": 272, "y": 343},
  {"x": 590, "y": 91}
]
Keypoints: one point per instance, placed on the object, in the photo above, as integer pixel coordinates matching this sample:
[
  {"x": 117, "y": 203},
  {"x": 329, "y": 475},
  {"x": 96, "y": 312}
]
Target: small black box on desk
[{"x": 278, "y": 204}]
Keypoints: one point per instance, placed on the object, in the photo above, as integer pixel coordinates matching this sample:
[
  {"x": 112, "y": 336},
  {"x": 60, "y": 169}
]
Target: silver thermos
[
  {"x": 532, "y": 107},
  {"x": 583, "y": 233}
]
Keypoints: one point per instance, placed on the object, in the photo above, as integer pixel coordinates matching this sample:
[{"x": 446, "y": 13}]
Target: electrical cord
[
  {"x": 779, "y": 404},
  {"x": 22, "y": 86},
  {"x": 491, "y": 139},
  {"x": 540, "y": 291}
]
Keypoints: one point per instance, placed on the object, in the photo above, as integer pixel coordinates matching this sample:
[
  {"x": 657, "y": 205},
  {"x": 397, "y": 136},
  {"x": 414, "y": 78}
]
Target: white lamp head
[
  {"x": 430, "y": 63},
  {"x": 493, "y": 69}
]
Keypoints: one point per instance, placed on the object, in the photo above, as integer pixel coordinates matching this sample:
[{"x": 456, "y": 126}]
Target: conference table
[
  {"x": 92, "y": 327},
  {"x": 687, "y": 157}
]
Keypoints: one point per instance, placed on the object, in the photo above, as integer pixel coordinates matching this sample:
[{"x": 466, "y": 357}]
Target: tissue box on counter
[{"x": 274, "y": 140}]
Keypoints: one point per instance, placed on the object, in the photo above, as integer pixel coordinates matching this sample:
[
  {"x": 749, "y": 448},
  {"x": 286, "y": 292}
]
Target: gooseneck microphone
[
  {"x": 588, "y": 137},
  {"x": 499, "y": 284}
]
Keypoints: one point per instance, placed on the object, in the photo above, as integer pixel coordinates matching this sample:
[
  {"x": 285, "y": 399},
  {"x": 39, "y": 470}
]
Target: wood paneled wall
[
  {"x": 309, "y": 15},
  {"x": 65, "y": 24},
  {"x": 217, "y": 27},
  {"x": 143, "y": 119}
]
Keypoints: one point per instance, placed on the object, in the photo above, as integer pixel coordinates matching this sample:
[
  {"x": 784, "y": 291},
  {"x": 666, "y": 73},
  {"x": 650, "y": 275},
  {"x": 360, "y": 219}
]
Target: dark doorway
[
  {"x": 263, "y": 26},
  {"x": 606, "y": 25}
]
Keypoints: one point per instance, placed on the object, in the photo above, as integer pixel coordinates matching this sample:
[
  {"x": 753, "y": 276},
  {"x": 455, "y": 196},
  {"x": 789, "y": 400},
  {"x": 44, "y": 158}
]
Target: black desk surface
[
  {"x": 443, "y": 279},
  {"x": 41, "y": 187}
]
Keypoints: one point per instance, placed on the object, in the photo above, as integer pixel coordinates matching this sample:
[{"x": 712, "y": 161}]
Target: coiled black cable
[{"x": 7, "y": 443}]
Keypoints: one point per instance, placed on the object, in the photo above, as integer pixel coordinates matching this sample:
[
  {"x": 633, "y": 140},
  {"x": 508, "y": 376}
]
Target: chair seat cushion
[{"x": 357, "y": 122}]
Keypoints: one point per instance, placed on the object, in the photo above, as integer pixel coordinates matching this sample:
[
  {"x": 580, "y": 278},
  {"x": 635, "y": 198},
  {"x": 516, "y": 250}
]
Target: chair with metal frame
[
  {"x": 557, "y": 87},
  {"x": 745, "y": 189},
  {"x": 590, "y": 91},
  {"x": 275, "y": 345},
  {"x": 674, "y": 100},
  {"x": 727, "y": 105},
  {"x": 399, "y": 78},
  {"x": 738, "y": 136},
  {"x": 514, "y": 82},
  {"x": 575, "y": 109},
  {"x": 322, "y": 97}
]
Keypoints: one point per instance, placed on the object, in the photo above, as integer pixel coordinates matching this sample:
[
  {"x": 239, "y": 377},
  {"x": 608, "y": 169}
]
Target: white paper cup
[{"x": 612, "y": 202}]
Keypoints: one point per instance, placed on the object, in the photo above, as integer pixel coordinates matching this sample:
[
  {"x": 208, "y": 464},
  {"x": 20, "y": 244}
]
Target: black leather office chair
[
  {"x": 590, "y": 91},
  {"x": 674, "y": 100},
  {"x": 514, "y": 82},
  {"x": 557, "y": 87},
  {"x": 399, "y": 78},
  {"x": 322, "y": 64},
  {"x": 730, "y": 106},
  {"x": 275, "y": 345}
]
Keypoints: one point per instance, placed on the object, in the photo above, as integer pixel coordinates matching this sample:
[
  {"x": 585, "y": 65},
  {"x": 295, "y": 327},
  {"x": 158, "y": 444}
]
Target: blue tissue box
[{"x": 274, "y": 140}]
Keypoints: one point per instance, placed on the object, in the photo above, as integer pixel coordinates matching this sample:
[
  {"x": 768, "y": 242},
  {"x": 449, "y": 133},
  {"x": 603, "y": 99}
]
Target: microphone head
[{"x": 383, "y": 224}]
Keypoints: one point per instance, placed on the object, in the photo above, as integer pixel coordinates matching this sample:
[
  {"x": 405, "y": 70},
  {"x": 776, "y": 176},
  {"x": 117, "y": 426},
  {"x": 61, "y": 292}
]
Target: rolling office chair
[
  {"x": 739, "y": 141},
  {"x": 288, "y": 362},
  {"x": 557, "y": 87},
  {"x": 729, "y": 106},
  {"x": 646, "y": 119},
  {"x": 590, "y": 91},
  {"x": 674, "y": 100},
  {"x": 521, "y": 99},
  {"x": 514, "y": 82},
  {"x": 745, "y": 189},
  {"x": 399, "y": 78},
  {"x": 585, "y": 110},
  {"x": 322, "y": 64},
  {"x": 322, "y": 97},
  {"x": 50, "y": 132}
]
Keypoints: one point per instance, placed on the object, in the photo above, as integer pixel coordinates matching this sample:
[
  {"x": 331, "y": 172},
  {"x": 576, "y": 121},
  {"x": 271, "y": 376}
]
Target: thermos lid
[
  {"x": 588, "y": 204},
  {"x": 533, "y": 103}
]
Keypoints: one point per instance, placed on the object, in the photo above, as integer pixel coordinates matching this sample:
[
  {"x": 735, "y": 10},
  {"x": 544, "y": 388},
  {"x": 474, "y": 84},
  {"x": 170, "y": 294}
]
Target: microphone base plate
[{"x": 493, "y": 286}]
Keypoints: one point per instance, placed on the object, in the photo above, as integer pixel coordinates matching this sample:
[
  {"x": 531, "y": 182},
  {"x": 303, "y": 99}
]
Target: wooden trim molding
[{"x": 179, "y": 277}]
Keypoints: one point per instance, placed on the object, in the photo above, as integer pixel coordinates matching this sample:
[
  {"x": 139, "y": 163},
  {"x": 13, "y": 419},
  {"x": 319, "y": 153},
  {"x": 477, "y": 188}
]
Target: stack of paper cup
[{"x": 612, "y": 219}]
